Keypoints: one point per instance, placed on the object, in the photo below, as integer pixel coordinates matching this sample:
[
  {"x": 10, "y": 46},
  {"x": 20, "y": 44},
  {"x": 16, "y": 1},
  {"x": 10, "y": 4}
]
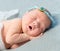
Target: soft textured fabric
[
  {"x": 2, "y": 46},
  {"x": 6, "y": 15}
]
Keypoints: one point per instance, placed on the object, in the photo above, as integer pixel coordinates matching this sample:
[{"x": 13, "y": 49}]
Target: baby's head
[{"x": 35, "y": 21}]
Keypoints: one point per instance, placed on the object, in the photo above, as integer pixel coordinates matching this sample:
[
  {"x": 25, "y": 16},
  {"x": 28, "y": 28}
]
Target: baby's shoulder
[
  {"x": 16, "y": 20},
  {"x": 13, "y": 23}
]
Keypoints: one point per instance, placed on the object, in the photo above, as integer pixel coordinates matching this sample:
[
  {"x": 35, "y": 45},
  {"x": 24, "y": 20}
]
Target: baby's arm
[
  {"x": 16, "y": 38},
  {"x": 17, "y": 45},
  {"x": 14, "y": 34}
]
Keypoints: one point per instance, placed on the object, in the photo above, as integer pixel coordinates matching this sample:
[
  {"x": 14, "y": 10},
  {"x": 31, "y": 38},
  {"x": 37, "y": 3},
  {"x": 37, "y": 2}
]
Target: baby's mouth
[
  {"x": 33, "y": 27},
  {"x": 30, "y": 28}
]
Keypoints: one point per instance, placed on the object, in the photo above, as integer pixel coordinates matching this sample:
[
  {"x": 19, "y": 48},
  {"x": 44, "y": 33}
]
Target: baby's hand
[
  {"x": 31, "y": 38},
  {"x": 14, "y": 46}
]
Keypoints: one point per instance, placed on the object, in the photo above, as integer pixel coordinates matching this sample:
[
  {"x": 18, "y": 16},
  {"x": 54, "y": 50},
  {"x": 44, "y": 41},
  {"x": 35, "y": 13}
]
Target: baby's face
[{"x": 35, "y": 22}]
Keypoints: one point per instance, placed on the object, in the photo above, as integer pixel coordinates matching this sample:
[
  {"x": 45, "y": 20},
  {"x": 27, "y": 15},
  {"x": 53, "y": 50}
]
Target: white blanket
[
  {"x": 6, "y": 15},
  {"x": 2, "y": 46}
]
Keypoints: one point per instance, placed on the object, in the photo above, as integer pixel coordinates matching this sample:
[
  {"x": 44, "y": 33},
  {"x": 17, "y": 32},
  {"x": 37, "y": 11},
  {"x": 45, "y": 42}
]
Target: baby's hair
[
  {"x": 31, "y": 9},
  {"x": 42, "y": 9}
]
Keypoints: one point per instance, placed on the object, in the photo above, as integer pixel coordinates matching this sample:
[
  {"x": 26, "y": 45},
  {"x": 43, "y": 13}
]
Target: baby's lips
[{"x": 31, "y": 27}]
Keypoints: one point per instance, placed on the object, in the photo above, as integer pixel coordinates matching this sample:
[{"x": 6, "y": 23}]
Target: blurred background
[{"x": 23, "y": 5}]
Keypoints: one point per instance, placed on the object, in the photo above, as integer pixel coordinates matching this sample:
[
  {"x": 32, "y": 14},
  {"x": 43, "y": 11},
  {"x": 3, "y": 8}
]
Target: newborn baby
[{"x": 17, "y": 31}]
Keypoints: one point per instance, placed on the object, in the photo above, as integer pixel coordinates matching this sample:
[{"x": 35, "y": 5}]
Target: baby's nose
[{"x": 36, "y": 24}]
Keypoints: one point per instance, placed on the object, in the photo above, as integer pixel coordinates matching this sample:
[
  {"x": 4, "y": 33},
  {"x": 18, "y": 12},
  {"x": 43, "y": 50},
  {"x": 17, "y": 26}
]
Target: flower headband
[{"x": 47, "y": 13}]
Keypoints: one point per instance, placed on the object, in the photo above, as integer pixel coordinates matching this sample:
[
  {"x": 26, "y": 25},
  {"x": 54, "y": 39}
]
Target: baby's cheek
[{"x": 34, "y": 33}]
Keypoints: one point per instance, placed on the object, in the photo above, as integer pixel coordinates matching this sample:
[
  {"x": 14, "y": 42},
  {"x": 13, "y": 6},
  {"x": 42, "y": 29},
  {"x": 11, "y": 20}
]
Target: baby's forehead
[{"x": 36, "y": 13}]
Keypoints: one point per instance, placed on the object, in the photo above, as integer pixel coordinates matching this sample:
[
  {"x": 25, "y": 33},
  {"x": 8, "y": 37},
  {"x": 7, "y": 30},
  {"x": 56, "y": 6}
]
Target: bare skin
[
  {"x": 32, "y": 26},
  {"x": 10, "y": 32}
]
